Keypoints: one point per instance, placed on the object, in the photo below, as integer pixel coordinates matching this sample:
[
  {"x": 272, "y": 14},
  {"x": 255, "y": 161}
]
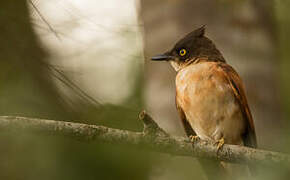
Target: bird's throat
[{"x": 176, "y": 66}]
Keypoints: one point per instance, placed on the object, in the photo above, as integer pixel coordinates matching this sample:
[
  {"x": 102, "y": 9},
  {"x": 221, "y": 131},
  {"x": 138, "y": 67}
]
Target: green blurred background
[{"x": 83, "y": 61}]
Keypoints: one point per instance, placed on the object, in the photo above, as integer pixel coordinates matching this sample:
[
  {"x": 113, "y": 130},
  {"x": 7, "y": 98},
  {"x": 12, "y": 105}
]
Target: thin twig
[{"x": 44, "y": 20}]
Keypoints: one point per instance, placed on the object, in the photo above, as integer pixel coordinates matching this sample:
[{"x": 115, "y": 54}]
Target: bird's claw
[
  {"x": 220, "y": 143},
  {"x": 193, "y": 138}
]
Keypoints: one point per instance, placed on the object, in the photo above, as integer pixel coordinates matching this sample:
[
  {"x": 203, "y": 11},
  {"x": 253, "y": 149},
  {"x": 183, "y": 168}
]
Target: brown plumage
[
  {"x": 210, "y": 95},
  {"x": 249, "y": 135}
]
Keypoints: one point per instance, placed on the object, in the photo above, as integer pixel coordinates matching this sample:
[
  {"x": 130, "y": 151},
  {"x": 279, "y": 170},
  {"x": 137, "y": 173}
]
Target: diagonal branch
[{"x": 152, "y": 138}]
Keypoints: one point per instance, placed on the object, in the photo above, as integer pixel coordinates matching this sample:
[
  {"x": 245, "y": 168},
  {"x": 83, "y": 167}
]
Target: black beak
[{"x": 162, "y": 57}]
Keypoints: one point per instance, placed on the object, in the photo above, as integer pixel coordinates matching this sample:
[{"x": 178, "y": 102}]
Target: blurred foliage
[
  {"x": 283, "y": 23},
  {"x": 27, "y": 88}
]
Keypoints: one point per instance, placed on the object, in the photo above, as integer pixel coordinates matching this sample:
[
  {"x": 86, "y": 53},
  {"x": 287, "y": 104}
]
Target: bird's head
[{"x": 190, "y": 49}]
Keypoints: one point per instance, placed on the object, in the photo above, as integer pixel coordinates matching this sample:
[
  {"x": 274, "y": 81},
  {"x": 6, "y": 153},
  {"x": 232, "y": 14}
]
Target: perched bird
[{"x": 210, "y": 96}]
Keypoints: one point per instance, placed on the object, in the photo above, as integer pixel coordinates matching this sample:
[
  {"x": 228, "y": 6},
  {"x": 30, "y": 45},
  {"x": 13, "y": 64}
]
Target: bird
[{"x": 210, "y": 97}]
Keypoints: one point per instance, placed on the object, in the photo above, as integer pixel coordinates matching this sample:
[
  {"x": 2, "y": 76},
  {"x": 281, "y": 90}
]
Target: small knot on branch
[{"x": 150, "y": 126}]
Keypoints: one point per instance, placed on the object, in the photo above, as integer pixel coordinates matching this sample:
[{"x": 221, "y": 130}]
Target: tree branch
[{"x": 152, "y": 138}]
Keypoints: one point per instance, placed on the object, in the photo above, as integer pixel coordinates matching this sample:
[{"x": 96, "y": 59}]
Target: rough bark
[{"x": 152, "y": 138}]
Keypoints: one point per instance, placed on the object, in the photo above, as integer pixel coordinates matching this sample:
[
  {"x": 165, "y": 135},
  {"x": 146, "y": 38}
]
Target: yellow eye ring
[{"x": 182, "y": 52}]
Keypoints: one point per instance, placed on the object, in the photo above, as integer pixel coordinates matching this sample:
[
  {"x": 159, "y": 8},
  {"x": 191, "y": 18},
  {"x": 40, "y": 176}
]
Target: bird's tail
[
  {"x": 213, "y": 169},
  {"x": 216, "y": 170},
  {"x": 237, "y": 171}
]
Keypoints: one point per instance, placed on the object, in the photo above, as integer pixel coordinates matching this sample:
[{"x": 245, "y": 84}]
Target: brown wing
[
  {"x": 187, "y": 127},
  {"x": 249, "y": 136}
]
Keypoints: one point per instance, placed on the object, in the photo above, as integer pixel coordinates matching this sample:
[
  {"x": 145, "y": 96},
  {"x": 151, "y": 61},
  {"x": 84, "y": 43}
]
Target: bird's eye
[{"x": 182, "y": 52}]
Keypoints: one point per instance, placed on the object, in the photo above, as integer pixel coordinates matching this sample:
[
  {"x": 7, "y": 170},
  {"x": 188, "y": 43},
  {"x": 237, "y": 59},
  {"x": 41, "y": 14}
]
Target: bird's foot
[
  {"x": 193, "y": 138},
  {"x": 220, "y": 143}
]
